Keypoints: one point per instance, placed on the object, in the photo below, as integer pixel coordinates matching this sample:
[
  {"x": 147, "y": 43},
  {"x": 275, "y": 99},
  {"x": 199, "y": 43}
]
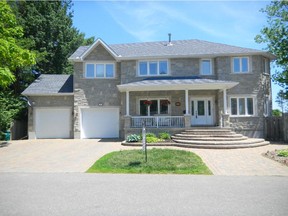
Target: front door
[{"x": 202, "y": 111}]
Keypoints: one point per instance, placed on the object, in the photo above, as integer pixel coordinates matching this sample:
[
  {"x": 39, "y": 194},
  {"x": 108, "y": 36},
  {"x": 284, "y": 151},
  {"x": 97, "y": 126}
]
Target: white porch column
[
  {"x": 224, "y": 101},
  {"x": 186, "y": 102},
  {"x": 127, "y": 103}
]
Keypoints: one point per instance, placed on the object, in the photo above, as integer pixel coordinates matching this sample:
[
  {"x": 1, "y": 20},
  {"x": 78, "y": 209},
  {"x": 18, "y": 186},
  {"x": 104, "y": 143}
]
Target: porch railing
[{"x": 158, "y": 121}]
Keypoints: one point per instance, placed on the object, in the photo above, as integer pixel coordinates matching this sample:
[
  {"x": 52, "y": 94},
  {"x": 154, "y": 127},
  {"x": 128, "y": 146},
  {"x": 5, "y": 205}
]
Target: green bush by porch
[{"x": 160, "y": 161}]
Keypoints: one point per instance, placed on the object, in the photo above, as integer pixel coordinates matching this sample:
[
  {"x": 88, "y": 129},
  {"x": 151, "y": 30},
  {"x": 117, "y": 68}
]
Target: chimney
[{"x": 169, "y": 41}]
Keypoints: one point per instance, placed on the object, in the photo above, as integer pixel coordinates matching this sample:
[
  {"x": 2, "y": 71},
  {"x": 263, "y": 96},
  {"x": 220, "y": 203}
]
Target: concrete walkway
[{"x": 78, "y": 155}]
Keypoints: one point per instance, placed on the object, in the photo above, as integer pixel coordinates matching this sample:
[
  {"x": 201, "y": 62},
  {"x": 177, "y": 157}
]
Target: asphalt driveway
[{"x": 64, "y": 155}]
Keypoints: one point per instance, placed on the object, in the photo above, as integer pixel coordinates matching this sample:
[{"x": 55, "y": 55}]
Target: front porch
[{"x": 173, "y": 104}]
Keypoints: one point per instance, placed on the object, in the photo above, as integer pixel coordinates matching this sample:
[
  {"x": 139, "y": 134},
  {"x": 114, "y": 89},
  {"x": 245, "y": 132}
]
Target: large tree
[
  {"x": 275, "y": 35},
  {"x": 13, "y": 58},
  {"x": 48, "y": 27},
  {"x": 12, "y": 55}
]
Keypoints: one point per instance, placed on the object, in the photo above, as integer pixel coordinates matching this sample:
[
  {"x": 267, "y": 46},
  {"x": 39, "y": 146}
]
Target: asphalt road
[{"x": 68, "y": 194}]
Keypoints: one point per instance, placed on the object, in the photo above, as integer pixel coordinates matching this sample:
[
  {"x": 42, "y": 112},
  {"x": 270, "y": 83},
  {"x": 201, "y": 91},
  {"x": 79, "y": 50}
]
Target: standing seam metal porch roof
[{"x": 176, "y": 84}]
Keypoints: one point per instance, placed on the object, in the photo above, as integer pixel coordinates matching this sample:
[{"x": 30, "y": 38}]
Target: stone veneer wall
[
  {"x": 94, "y": 92},
  {"x": 47, "y": 101},
  {"x": 252, "y": 83}
]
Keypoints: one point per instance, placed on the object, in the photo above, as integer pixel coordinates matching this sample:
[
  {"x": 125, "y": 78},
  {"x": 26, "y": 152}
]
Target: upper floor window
[
  {"x": 266, "y": 66},
  {"x": 206, "y": 67},
  {"x": 240, "y": 65},
  {"x": 153, "y": 68},
  {"x": 242, "y": 106},
  {"x": 100, "y": 70}
]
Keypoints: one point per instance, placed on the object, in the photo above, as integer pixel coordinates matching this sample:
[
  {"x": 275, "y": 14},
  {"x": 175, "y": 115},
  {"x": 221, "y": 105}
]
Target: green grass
[
  {"x": 162, "y": 161},
  {"x": 283, "y": 153}
]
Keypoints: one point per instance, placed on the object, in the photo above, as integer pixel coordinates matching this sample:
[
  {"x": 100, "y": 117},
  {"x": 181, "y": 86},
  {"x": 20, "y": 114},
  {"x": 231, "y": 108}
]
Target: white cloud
[{"x": 147, "y": 20}]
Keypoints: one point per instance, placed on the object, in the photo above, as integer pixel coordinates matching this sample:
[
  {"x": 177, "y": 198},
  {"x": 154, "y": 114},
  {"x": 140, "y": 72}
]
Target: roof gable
[{"x": 94, "y": 45}]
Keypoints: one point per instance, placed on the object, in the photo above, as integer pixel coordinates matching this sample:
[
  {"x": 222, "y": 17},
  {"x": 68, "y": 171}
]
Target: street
[{"x": 70, "y": 194}]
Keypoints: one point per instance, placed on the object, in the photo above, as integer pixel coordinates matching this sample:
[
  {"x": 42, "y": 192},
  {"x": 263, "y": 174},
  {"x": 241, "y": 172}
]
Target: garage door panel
[
  {"x": 100, "y": 123},
  {"x": 52, "y": 123}
]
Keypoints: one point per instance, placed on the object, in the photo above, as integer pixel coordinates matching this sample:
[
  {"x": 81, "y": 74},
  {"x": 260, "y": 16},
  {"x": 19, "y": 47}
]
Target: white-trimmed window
[
  {"x": 206, "y": 67},
  {"x": 99, "y": 70},
  {"x": 242, "y": 106},
  {"x": 153, "y": 68},
  {"x": 154, "y": 106},
  {"x": 266, "y": 106},
  {"x": 266, "y": 66},
  {"x": 240, "y": 64}
]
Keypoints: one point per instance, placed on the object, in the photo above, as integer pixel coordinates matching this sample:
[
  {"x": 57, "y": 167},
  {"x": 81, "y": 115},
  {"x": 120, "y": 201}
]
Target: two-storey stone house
[{"x": 168, "y": 85}]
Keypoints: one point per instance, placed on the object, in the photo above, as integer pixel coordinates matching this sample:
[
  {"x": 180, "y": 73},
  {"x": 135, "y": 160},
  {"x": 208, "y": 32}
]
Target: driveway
[
  {"x": 62, "y": 155},
  {"x": 54, "y": 155}
]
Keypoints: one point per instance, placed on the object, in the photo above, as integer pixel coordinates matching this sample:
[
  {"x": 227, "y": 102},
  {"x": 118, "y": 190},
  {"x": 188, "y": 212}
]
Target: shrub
[
  {"x": 151, "y": 139},
  {"x": 283, "y": 153},
  {"x": 133, "y": 138},
  {"x": 150, "y": 135},
  {"x": 164, "y": 135}
]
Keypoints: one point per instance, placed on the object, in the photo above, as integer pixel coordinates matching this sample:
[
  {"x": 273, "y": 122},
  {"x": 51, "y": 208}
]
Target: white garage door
[
  {"x": 52, "y": 123},
  {"x": 100, "y": 123}
]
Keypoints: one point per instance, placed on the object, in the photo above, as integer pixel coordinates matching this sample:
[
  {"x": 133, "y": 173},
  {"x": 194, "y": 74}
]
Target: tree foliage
[
  {"x": 49, "y": 29},
  {"x": 12, "y": 55},
  {"x": 11, "y": 107},
  {"x": 282, "y": 101},
  {"x": 276, "y": 112},
  {"x": 275, "y": 35}
]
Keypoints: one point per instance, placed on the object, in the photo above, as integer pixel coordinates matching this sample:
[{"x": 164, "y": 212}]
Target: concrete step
[
  {"x": 208, "y": 135},
  {"x": 210, "y": 138},
  {"x": 206, "y": 132},
  {"x": 236, "y": 142},
  {"x": 226, "y": 146}
]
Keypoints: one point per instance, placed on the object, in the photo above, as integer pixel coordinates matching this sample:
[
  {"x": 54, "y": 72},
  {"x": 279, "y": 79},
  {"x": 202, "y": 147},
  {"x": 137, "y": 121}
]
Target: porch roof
[{"x": 176, "y": 83}]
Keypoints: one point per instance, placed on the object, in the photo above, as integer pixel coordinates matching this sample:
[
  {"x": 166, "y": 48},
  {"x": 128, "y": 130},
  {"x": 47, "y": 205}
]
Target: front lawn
[{"x": 162, "y": 161}]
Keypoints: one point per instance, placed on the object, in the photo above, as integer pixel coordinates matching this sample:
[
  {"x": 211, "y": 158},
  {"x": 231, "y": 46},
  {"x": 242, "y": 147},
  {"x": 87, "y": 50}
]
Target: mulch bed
[{"x": 273, "y": 155}]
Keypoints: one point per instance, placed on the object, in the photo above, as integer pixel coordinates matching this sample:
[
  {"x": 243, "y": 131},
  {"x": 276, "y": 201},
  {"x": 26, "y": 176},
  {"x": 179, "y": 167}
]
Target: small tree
[
  {"x": 282, "y": 100},
  {"x": 275, "y": 35},
  {"x": 276, "y": 112}
]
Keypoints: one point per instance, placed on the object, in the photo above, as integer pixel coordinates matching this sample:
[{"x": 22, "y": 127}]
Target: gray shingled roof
[
  {"x": 50, "y": 84},
  {"x": 176, "y": 84},
  {"x": 178, "y": 48}
]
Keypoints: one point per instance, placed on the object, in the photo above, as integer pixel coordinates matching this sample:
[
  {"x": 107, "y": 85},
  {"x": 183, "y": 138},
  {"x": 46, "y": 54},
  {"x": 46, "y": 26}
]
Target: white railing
[{"x": 157, "y": 121}]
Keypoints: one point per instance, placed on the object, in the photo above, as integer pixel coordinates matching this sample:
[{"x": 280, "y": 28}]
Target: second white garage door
[{"x": 99, "y": 123}]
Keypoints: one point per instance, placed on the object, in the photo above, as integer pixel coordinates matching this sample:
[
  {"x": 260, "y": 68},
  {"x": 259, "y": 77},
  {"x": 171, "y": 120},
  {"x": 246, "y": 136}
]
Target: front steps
[{"x": 215, "y": 138}]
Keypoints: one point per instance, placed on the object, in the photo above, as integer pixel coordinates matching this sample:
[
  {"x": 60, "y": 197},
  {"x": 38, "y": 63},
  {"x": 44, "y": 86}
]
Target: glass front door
[{"x": 201, "y": 111}]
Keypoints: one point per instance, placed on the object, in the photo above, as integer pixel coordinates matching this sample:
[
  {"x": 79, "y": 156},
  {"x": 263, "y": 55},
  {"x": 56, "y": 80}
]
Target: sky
[{"x": 227, "y": 21}]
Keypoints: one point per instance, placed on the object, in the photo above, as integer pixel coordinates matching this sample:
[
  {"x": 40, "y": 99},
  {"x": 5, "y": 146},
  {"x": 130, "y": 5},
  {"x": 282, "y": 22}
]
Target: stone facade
[{"x": 104, "y": 92}]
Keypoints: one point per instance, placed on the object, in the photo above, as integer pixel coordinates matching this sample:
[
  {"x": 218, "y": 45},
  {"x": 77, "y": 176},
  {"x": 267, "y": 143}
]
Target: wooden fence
[{"x": 274, "y": 128}]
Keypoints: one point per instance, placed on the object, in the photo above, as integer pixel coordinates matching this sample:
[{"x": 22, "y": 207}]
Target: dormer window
[{"x": 153, "y": 68}]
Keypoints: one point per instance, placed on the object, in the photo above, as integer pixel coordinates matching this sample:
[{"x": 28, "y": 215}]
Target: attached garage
[
  {"x": 99, "y": 122},
  {"x": 52, "y": 123}
]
